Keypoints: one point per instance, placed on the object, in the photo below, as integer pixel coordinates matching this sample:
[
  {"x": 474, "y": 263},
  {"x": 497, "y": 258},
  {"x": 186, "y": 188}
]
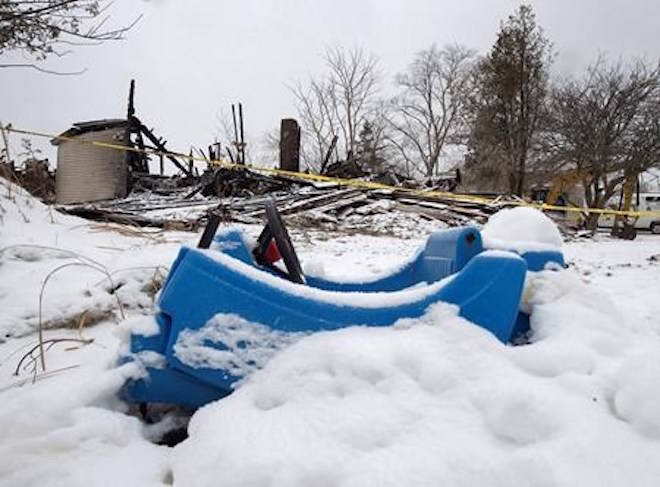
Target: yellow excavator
[
  {"x": 556, "y": 195},
  {"x": 564, "y": 180},
  {"x": 623, "y": 226}
]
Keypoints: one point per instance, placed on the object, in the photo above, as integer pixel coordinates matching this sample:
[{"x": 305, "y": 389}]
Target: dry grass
[
  {"x": 94, "y": 266},
  {"x": 129, "y": 231},
  {"x": 81, "y": 261}
]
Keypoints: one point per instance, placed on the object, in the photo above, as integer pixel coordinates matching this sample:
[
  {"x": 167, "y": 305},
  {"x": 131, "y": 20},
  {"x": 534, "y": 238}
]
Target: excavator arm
[{"x": 564, "y": 180}]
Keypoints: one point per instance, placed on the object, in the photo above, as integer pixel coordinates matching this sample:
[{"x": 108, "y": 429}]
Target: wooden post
[
  {"x": 240, "y": 118},
  {"x": 162, "y": 164},
  {"x": 6, "y": 141},
  {"x": 131, "y": 104},
  {"x": 238, "y": 149},
  {"x": 142, "y": 160},
  {"x": 209, "y": 231},
  {"x": 328, "y": 154},
  {"x": 289, "y": 145},
  {"x": 133, "y": 129},
  {"x": 231, "y": 156}
]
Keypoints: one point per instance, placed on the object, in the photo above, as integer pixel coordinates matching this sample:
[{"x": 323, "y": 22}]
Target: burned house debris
[
  {"x": 34, "y": 174},
  {"x": 103, "y": 173},
  {"x": 238, "y": 195},
  {"x": 90, "y": 165}
]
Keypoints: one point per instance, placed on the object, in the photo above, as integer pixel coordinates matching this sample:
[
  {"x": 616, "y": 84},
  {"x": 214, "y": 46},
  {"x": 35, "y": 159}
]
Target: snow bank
[
  {"x": 436, "y": 402},
  {"x": 67, "y": 429},
  {"x": 36, "y": 240},
  {"x": 521, "y": 229}
]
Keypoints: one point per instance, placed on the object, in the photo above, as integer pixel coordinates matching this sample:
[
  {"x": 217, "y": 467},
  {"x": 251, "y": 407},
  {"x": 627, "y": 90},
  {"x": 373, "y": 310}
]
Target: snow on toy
[
  {"x": 225, "y": 310},
  {"x": 526, "y": 231}
]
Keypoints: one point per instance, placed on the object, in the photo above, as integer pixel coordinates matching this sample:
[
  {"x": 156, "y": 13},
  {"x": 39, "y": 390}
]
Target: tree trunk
[
  {"x": 520, "y": 183},
  {"x": 591, "y": 222}
]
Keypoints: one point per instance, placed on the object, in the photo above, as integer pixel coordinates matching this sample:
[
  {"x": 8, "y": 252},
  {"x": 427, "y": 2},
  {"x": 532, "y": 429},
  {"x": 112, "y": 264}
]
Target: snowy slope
[
  {"x": 434, "y": 401},
  {"x": 35, "y": 240},
  {"x": 439, "y": 402}
]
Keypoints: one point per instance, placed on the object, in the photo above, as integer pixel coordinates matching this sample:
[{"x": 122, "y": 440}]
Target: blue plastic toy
[{"x": 221, "y": 314}]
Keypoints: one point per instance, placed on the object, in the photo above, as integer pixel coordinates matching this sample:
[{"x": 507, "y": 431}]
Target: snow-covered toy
[
  {"x": 225, "y": 310},
  {"x": 528, "y": 232}
]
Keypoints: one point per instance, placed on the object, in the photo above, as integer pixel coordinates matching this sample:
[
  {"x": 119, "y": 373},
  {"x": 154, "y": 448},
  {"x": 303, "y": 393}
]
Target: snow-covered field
[{"x": 434, "y": 401}]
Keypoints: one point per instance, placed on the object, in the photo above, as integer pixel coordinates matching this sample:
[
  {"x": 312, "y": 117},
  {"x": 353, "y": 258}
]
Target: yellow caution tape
[{"x": 356, "y": 183}]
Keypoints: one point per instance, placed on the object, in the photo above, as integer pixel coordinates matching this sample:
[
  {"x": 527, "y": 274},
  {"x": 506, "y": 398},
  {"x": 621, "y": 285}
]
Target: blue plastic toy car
[{"x": 225, "y": 310}]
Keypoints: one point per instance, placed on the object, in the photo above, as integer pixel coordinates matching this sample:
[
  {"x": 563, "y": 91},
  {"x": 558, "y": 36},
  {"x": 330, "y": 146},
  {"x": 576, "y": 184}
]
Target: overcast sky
[{"x": 193, "y": 58}]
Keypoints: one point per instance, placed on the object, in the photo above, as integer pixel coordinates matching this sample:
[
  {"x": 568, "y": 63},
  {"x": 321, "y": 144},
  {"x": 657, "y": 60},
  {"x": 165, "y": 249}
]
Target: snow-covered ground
[{"x": 434, "y": 401}]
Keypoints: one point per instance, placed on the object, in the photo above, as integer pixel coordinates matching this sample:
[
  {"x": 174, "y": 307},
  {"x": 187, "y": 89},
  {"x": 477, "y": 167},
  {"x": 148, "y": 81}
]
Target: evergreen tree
[
  {"x": 368, "y": 153},
  {"x": 512, "y": 83}
]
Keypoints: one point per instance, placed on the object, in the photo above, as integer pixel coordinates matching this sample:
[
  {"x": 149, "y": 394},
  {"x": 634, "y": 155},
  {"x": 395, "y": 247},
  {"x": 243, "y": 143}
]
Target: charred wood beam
[
  {"x": 328, "y": 154},
  {"x": 141, "y": 157},
  {"x": 238, "y": 150},
  {"x": 131, "y": 103},
  {"x": 240, "y": 118},
  {"x": 132, "y": 219},
  {"x": 310, "y": 202},
  {"x": 209, "y": 231},
  {"x": 161, "y": 147},
  {"x": 231, "y": 156}
]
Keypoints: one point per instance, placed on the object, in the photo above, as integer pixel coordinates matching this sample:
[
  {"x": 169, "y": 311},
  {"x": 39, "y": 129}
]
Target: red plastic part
[{"x": 272, "y": 254}]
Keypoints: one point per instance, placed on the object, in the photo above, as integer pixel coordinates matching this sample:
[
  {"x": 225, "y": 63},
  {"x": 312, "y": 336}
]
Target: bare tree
[
  {"x": 427, "y": 114},
  {"x": 512, "y": 81},
  {"x": 339, "y": 102},
  {"x": 606, "y": 127},
  {"x": 353, "y": 84},
  {"x": 269, "y": 150},
  {"x": 316, "y": 118},
  {"x": 41, "y": 29}
]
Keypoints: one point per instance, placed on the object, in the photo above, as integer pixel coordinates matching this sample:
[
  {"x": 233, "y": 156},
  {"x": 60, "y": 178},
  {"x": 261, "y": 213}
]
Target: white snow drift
[{"x": 438, "y": 401}]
